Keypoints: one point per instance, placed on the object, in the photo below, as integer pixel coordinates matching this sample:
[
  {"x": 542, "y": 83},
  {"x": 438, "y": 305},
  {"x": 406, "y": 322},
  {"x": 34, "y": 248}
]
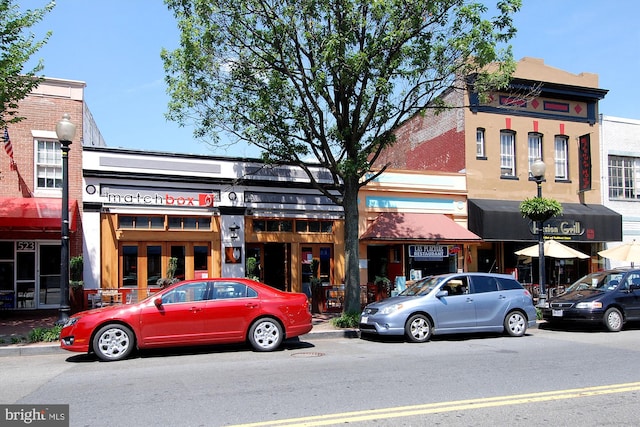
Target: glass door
[{"x": 49, "y": 275}]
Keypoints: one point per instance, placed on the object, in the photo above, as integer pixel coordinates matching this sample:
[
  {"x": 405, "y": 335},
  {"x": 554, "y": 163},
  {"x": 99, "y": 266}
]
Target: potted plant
[
  {"x": 253, "y": 268},
  {"x": 540, "y": 208},
  {"x": 384, "y": 286},
  {"x": 169, "y": 279},
  {"x": 76, "y": 285}
]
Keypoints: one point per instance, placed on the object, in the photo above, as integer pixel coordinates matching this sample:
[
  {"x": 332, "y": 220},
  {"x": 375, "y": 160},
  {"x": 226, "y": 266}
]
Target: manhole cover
[{"x": 308, "y": 354}]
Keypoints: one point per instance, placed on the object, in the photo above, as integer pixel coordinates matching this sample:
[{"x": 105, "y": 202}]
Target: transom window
[
  {"x": 157, "y": 222},
  {"x": 301, "y": 226},
  {"x": 304, "y": 226},
  {"x": 562, "y": 157},
  {"x": 507, "y": 154},
  {"x": 624, "y": 177},
  {"x": 189, "y": 223},
  {"x": 48, "y": 164},
  {"x": 272, "y": 225}
]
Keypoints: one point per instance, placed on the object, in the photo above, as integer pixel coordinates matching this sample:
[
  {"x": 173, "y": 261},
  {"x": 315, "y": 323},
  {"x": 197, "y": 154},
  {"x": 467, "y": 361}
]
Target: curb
[
  {"x": 336, "y": 333},
  {"x": 39, "y": 349},
  {"x": 43, "y": 349}
]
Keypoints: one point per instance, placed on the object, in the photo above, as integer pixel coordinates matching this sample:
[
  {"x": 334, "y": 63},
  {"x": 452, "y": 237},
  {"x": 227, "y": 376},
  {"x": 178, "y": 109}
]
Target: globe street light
[
  {"x": 538, "y": 168},
  {"x": 65, "y": 130}
]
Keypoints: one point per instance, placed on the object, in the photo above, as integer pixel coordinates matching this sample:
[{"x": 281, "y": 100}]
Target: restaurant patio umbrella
[
  {"x": 628, "y": 252},
  {"x": 553, "y": 249}
]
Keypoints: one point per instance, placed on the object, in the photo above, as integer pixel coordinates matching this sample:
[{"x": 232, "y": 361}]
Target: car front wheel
[
  {"x": 515, "y": 324},
  {"x": 266, "y": 335},
  {"x": 418, "y": 328},
  {"x": 113, "y": 342},
  {"x": 613, "y": 319}
]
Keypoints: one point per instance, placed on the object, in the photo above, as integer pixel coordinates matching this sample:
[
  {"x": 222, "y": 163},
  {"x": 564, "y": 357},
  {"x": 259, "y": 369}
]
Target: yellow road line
[{"x": 458, "y": 405}]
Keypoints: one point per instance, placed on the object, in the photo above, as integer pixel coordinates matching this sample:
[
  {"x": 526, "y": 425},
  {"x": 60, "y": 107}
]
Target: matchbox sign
[{"x": 130, "y": 196}]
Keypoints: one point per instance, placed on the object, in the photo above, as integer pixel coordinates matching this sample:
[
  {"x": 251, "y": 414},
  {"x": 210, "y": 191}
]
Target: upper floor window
[
  {"x": 624, "y": 177},
  {"x": 48, "y": 164},
  {"x": 562, "y": 157},
  {"x": 507, "y": 153},
  {"x": 480, "y": 153},
  {"x": 535, "y": 148}
]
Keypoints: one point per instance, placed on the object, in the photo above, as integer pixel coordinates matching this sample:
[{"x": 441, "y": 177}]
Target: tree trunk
[{"x": 351, "y": 242}]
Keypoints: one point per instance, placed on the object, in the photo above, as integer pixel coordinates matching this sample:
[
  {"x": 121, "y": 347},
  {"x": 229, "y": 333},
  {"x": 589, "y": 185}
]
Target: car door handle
[
  {"x": 251, "y": 305},
  {"x": 195, "y": 309}
]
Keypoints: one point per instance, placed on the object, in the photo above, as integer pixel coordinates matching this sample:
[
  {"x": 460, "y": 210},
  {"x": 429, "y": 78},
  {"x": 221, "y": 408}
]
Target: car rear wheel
[
  {"x": 113, "y": 342},
  {"x": 515, "y": 324},
  {"x": 418, "y": 328},
  {"x": 266, "y": 335},
  {"x": 613, "y": 319}
]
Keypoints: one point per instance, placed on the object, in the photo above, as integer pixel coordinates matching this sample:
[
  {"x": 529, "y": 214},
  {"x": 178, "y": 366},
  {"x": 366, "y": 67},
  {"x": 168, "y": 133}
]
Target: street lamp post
[
  {"x": 65, "y": 130},
  {"x": 538, "y": 168}
]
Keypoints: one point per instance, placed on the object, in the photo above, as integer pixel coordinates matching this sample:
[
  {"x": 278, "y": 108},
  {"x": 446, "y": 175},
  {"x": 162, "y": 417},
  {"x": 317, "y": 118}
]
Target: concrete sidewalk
[{"x": 16, "y": 325}]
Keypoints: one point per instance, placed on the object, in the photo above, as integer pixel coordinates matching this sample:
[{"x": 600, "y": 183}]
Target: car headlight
[
  {"x": 70, "y": 322},
  {"x": 391, "y": 308},
  {"x": 589, "y": 305}
]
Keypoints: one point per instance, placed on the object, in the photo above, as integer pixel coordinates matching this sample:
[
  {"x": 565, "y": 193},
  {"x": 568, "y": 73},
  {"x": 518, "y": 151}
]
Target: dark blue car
[{"x": 610, "y": 297}]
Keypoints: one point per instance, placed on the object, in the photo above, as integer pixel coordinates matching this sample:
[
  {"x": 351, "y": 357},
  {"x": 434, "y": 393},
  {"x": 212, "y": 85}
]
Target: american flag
[{"x": 8, "y": 147}]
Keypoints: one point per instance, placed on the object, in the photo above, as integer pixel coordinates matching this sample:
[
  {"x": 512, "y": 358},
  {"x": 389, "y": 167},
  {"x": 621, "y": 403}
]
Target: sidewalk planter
[{"x": 76, "y": 297}]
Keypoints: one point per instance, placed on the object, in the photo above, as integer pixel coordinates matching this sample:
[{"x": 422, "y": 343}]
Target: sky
[{"x": 114, "y": 47}]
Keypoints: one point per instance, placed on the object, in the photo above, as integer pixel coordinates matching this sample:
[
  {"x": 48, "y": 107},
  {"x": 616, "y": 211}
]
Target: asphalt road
[{"x": 545, "y": 378}]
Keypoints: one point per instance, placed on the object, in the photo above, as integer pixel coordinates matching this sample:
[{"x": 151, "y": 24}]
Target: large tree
[
  {"x": 329, "y": 79},
  {"x": 16, "y": 48}
]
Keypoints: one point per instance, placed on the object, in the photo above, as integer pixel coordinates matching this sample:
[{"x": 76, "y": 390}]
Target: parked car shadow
[
  {"x": 287, "y": 345},
  {"x": 583, "y": 327},
  {"x": 437, "y": 338}
]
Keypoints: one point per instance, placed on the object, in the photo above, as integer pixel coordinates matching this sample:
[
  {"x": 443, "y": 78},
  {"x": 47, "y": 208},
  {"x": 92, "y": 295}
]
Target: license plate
[
  {"x": 364, "y": 319},
  {"x": 556, "y": 313}
]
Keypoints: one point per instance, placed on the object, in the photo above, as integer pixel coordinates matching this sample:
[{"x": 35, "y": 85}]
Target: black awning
[{"x": 500, "y": 220}]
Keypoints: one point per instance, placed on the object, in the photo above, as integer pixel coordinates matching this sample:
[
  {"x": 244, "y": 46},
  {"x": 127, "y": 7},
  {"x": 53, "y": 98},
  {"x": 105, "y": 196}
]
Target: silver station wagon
[{"x": 450, "y": 304}]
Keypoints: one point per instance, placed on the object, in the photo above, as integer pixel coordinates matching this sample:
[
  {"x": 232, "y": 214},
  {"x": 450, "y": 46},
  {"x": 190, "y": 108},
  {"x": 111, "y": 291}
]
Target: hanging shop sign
[{"x": 428, "y": 251}]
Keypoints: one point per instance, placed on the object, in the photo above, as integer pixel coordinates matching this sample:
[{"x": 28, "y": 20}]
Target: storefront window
[
  {"x": 179, "y": 252},
  {"x": 200, "y": 261},
  {"x": 154, "y": 265},
  {"x": 130, "y": 266},
  {"x": 325, "y": 265},
  {"x": 6, "y": 266}
]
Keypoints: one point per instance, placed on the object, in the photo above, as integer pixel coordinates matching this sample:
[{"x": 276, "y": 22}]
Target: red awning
[
  {"x": 36, "y": 213},
  {"x": 417, "y": 227}
]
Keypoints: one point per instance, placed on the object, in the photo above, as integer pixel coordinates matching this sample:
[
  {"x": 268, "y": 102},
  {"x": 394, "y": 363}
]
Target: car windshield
[
  {"x": 421, "y": 287},
  {"x": 602, "y": 281}
]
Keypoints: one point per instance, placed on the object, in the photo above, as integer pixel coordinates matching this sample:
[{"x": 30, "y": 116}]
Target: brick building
[
  {"x": 31, "y": 192},
  {"x": 546, "y": 113}
]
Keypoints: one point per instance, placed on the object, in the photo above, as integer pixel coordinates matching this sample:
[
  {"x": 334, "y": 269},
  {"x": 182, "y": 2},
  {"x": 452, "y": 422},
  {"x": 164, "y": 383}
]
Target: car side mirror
[
  {"x": 441, "y": 294},
  {"x": 157, "y": 302}
]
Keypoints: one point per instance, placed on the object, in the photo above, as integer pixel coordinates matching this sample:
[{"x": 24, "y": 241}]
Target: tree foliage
[
  {"x": 327, "y": 81},
  {"x": 16, "y": 48}
]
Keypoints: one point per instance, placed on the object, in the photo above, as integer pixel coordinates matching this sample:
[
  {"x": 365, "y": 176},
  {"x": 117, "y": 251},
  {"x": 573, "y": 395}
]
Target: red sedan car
[{"x": 192, "y": 312}]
